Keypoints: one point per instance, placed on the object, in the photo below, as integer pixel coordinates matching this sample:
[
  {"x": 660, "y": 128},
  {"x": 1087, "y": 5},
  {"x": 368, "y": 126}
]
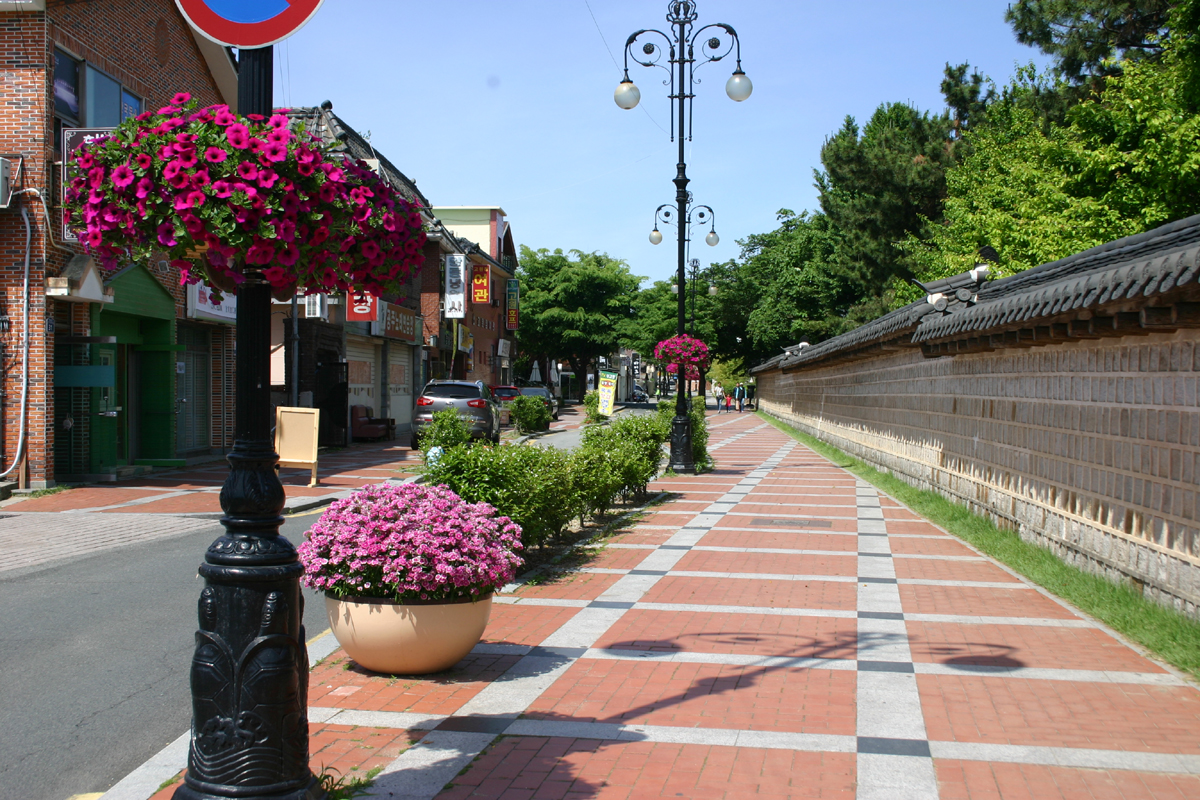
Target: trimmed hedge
[{"x": 529, "y": 413}]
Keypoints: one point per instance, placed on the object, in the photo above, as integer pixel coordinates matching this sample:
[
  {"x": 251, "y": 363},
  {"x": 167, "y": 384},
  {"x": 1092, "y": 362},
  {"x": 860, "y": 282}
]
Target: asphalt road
[{"x": 95, "y": 655}]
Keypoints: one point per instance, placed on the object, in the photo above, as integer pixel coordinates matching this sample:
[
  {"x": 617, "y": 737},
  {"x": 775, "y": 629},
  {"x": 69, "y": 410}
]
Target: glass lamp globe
[
  {"x": 628, "y": 95},
  {"x": 738, "y": 87},
  {"x": 712, "y": 239},
  {"x": 655, "y": 236}
]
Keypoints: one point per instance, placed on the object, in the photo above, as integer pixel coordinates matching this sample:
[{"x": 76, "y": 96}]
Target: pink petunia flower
[
  {"x": 222, "y": 189},
  {"x": 224, "y": 118},
  {"x": 122, "y": 176},
  {"x": 267, "y": 178},
  {"x": 215, "y": 155},
  {"x": 143, "y": 161},
  {"x": 278, "y": 121},
  {"x": 166, "y": 234},
  {"x": 181, "y": 98},
  {"x": 247, "y": 171},
  {"x": 238, "y": 135}
]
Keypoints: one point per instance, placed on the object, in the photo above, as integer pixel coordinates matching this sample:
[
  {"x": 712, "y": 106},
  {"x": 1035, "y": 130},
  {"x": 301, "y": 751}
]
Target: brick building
[
  {"x": 118, "y": 373},
  {"x": 1062, "y": 402}
]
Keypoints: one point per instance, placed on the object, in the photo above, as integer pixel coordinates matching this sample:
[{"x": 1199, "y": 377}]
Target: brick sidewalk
[
  {"x": 196, "y": 490},
  {"x": 778, "y": 629}
]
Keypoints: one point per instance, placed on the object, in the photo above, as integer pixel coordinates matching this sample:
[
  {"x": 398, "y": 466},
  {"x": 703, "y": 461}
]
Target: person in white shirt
[{"x": 719, "y": 393}]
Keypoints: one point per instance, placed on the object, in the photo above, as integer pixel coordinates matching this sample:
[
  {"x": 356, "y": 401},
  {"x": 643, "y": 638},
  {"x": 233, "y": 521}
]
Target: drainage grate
[{"x": 793, "y": 523}]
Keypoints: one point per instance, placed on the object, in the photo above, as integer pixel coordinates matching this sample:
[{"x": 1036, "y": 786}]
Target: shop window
[{"x": 86, "y": 97}]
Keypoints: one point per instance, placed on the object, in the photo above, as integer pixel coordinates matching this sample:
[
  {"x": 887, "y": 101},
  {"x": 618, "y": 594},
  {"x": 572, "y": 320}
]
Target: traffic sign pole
[{"x": 250, "y": 669}]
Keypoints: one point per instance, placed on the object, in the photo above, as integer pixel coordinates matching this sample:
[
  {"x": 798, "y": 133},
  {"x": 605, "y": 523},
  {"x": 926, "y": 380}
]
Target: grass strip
[{"x": 1170, "y": 635}]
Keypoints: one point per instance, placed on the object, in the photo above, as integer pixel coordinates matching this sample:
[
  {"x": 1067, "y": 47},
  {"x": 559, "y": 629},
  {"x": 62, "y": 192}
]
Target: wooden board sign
[{"x": 296, "y": 438}]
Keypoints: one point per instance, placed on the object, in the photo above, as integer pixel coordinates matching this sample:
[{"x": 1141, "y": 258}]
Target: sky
[{"x": 483, "y": 102}]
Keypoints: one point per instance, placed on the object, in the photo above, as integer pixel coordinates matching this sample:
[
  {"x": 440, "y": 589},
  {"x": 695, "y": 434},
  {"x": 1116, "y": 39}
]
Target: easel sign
[{"x": 296, "y": 438}]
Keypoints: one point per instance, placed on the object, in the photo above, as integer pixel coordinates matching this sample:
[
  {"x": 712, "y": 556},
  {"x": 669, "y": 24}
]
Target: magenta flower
[
  {"x": 278, "y": 121},
  {"x": 224, "y": 118},
  {"x": 247, "y": 171},
  {"x": 181, "y": 98},
  {"x": 238, "y": 135},
  {"x": 222, "y": 189},
  {"x": 143, "y": 161},
  {"x": 215, "y": 155},
  {"x": 276, "y": 276},
  {"x": 261, "y": 252},
  {"x": 200, "y": 178},
  {"x": 122, "y": 176},
  {"x": 267, "y": 178},
  {"x": 166, "y": 234}
]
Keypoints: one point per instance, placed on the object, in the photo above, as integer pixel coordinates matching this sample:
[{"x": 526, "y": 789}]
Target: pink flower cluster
[
  {"x": 250, "y": 193},
  {"x": 410, "y": 542},
  {"x": 683, "y": 350}
]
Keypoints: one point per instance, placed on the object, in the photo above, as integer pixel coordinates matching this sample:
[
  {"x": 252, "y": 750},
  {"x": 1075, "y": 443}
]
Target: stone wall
[{"x": 1090, "y": 448}]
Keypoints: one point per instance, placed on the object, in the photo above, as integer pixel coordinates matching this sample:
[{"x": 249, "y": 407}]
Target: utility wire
[{"x": 615, "y": 64}]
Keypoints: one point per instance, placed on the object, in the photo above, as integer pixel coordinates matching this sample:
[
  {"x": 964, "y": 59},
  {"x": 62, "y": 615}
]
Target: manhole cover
[{"x": 792, "y": 523}]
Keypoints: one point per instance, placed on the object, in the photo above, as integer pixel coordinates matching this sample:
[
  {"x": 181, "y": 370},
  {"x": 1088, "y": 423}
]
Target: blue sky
[{"x": 485, "y": 102}]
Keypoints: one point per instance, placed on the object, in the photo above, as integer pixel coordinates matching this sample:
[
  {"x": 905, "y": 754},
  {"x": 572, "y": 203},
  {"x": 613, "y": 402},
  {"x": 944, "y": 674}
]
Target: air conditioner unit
[
  {"x": 316, "y": 306},
  {"x": 5, "y": 182}
]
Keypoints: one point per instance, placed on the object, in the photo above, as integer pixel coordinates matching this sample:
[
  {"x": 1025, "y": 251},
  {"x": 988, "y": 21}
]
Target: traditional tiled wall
[{"x": 1090, "y": 448}]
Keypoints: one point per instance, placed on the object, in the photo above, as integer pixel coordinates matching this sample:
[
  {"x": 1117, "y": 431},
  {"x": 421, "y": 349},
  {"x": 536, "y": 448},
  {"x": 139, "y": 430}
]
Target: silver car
[{"x": 472, "y": 400}]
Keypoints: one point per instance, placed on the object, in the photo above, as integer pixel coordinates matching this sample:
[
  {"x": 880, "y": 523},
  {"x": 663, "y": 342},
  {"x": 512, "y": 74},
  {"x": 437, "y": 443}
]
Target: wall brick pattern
[{"x": 1090, "y": 448}]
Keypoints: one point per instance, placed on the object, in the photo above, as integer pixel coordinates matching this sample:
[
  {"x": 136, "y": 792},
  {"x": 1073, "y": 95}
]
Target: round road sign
[{"x": 248, "y": 23}]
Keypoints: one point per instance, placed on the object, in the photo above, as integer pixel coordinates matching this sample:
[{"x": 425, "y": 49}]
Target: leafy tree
[
  {"x": 880, "y": 185},
  {"x": 967, "y": 97},
  {"x": 574, "y": 305},
  {"x": 1090, "y": 38}
]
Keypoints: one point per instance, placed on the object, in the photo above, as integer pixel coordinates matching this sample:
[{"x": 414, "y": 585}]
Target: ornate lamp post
[
  {"x": 250, "y": 669},
  {"x": 681, "y": 62}
]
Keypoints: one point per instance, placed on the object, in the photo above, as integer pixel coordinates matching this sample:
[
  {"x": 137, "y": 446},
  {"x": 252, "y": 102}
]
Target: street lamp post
[{"x": 681, "y": 63}]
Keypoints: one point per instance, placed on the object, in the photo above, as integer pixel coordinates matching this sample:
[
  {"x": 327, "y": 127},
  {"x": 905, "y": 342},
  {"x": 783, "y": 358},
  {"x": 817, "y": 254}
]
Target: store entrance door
[{"x": 193, "y": 390}]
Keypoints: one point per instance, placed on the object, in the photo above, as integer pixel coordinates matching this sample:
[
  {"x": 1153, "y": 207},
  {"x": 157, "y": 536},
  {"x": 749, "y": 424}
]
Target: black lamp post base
[
  {"x": 311, "y": 792},
  {"x": 681, "y": 445}
]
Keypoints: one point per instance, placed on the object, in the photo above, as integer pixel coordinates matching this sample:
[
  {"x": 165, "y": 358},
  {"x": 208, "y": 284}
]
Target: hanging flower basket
[
  {"x": 224, "y": 195},
  {"x": 683, "y": 351}
]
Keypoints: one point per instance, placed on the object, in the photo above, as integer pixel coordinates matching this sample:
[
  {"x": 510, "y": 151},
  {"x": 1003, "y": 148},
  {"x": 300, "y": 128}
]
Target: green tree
[
  {"x": 1089, "y": 39},
  {"x": 574, "y": 305},
  {"x": 880, "y": 185}
]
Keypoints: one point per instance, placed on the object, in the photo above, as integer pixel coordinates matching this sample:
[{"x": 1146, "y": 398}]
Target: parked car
[
  {"x": 638, "y": 395},
  {"x": 547, "y": 397},
  {"x": 472, "y": 399},
  {"x": 505, "y": 393}
]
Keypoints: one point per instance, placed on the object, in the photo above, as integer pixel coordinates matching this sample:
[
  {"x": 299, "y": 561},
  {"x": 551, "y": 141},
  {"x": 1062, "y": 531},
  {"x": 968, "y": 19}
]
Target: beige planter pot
[{"x": 396, "y": 639}]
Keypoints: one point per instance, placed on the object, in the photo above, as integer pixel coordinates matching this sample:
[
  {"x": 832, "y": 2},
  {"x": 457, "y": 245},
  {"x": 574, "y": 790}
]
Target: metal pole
[
  {"x": 681, "y": 425},
  {"x": 250, "y": 669},
  {"x": 295, "y": 388}
]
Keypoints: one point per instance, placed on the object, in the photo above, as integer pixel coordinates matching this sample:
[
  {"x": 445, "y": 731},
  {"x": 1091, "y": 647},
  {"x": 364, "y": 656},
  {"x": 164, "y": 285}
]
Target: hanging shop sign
[
  {"x": 397, "y": 322},
  {"x": 481, "y": 284},
  {"x": 362, "y": 308},
  {"x": 72, "y": 138},
  {"x": 202, "y": 303},
  {"x": 248, "y": 23},
  {"x": 513, "y": 304},
  {"x": 608, "y": 393},
  {"x": 456, "y": 287}
]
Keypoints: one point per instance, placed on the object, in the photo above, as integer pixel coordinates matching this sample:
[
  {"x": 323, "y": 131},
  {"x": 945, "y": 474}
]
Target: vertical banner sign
[
  {"x": 513, "y": 302},
  {"x": 481, "y": 284},
  {"x": 456, "y": 287},
  {"x": 608, "y": 393},
  {"x": 363, "y": 308}
]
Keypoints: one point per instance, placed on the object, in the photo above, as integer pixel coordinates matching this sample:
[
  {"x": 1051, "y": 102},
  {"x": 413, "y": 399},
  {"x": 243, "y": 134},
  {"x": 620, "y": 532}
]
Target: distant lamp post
[{"x": 681, "y": 62}]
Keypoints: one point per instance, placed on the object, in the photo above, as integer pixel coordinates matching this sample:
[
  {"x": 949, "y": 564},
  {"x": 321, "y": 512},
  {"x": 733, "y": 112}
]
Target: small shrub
[
  {"x": 596, "y": 478},
  {"x": 529, "y": 413},
  {"x": 591, "y": 408},
  {"x": 447, "y": 430},
  {"x": 628, "y": 453},
  {"x": 699, "y": 432},
  {"x": 531, "y": 485}
]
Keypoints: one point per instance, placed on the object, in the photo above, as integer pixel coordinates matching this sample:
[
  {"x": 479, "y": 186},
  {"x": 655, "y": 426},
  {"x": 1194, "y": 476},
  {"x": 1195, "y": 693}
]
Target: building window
[{"x": 86, "y": 97}]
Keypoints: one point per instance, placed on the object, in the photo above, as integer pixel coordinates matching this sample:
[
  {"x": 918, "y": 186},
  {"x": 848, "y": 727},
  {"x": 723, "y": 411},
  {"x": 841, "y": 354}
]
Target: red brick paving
[
  {"x": 190, "y": 504},
  {"x": 588, "y": 768},
  {"x": 942, "y": 546},
  {"x": 1023, "y": 646},
  {"x": 640, "y": 535},
  {"x": 981, "y": 780},
  {"x": 522, "y": 624},
  {"x": 768, "y": 563},
  {"x": 972, "y": 601},
  {"x": 1160, "y": 719},
  {"x": 754, "y": 593},
  {"x": 83, "y": 497},
  {"x": 781, "y": 540},
  {"x": 771, "y": 520},
  {"x": 340, "y": 683},
  {"x": 707, "y": 632},
  {"x": 616, "y": 558},
  {"x": 917, "y": 528},
  {"x": 702, "y": 696},
  {"x": 931, "y": 569},
  {"x": 570, "y": 586}
]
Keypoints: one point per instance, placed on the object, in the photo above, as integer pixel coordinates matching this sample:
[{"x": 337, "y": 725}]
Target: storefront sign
[
  {"x": 362, "y": 308},
  {"x": 248, "y": 23},
  {"x": 397, "y": 322},
  {"x": 504, "y": 348},
  {"x": 608, "y": 393},
  {"x": 456, "y": 288},
  {"x": 513, "y": 304},
  {"x": 203, "y": 304},
  {"x": 72, "y": 138},
  {"x": 481, "y": 283}
]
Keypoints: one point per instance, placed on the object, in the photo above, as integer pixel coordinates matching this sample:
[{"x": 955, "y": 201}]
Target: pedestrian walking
[
  {"x": 739, "y": 394},
  {"x": 729, "y": 402},
  {"x": 719, "y": 393},
  {"x": 750, "y": 397}
]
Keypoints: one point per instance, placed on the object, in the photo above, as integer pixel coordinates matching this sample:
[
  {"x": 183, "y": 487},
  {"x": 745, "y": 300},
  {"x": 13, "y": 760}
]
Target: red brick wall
[{"x": 126, "y": 39}]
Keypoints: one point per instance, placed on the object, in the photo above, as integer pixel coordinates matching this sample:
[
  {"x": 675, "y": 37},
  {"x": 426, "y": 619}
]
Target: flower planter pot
[{"x": 407, "y": 638}]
